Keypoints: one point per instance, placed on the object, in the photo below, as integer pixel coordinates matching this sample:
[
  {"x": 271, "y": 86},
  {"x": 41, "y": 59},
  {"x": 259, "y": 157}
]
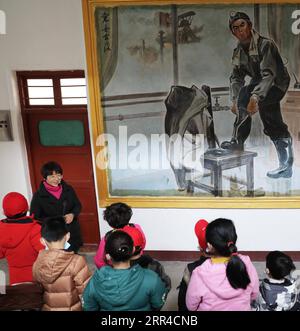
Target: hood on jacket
[
  {"x": 117, "y": 286},
  {"x": 51, "y": 264},
  {"x": 13, "y": 232},
  {"x": 214, "y": 277},
  {"x": 279, "y": 296}
]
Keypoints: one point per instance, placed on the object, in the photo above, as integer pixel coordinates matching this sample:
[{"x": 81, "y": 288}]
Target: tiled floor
[{"x": 173, "y": 268}]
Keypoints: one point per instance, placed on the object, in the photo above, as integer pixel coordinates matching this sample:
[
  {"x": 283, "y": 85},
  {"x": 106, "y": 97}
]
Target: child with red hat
[
  {"x": 145, "y": 260},
  {"x": 200, "y": 231},
  {"x": 19, "y": 238}
]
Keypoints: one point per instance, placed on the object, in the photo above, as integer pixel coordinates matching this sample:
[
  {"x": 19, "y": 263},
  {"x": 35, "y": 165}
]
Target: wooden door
[{"x": 61, "y": 133}]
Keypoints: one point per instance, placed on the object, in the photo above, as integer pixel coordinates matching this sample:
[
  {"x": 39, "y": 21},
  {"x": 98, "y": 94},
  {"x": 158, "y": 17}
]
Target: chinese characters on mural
[{"x": 106, "y": 31}]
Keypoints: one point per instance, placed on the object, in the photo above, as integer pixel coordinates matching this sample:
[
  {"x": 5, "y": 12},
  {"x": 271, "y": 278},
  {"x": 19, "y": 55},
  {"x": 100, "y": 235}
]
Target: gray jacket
[
  {"x": 278, "y": 296},
  {"x": 263, "y": 63}
]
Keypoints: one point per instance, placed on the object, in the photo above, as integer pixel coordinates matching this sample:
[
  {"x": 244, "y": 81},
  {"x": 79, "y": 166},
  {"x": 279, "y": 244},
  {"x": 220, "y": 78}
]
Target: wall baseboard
[{"x": 191, "y": 255}]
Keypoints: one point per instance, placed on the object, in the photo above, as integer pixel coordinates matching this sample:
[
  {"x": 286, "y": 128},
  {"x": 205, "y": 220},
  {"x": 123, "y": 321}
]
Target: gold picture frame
[{"x": 98, "y": 69}]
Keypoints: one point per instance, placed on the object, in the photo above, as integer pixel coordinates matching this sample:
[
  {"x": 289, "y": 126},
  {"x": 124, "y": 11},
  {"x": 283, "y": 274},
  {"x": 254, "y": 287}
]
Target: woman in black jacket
[{"x": 55, "y": 197}]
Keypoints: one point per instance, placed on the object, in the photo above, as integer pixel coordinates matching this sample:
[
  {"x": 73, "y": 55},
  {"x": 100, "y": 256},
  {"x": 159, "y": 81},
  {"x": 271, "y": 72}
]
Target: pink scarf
[{"x": 56, "y": 191}]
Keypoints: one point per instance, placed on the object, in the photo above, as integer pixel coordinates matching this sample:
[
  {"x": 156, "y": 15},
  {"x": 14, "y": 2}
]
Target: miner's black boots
[
  {"x": 241, "y": 131},
  {"x": 233, "y": 145},
  {"x": 284, "y": 150}
]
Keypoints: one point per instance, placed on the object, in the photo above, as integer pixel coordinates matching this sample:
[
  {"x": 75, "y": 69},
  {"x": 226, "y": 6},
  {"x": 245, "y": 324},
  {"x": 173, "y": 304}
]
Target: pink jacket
[
  {"x": 100, "y": 259},
  {"x": 209, "y": 288}
]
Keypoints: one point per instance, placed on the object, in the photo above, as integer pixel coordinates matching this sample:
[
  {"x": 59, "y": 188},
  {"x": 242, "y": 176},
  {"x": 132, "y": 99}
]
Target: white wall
[
  {"x": 48, "y": 35},
  {"x": 258, "y": 230},
  {"x": 40, "y": 35}
]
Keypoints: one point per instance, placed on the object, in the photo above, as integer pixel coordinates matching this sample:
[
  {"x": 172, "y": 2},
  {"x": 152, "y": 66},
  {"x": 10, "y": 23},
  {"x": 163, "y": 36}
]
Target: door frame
[{"x": 27, "y": 109}]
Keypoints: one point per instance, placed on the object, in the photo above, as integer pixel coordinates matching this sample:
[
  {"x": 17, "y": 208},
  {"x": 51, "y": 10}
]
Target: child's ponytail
[
  {"x": 236, "y": 270},
  {"x": 221, "y": 234}
]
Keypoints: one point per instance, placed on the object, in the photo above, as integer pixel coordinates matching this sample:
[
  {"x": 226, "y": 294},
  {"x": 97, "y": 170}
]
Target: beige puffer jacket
[{"x": 64, "y": 276}]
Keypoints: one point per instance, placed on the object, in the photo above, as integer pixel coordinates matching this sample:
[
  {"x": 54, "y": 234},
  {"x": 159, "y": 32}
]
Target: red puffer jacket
[{"x": 20, "y": 244}]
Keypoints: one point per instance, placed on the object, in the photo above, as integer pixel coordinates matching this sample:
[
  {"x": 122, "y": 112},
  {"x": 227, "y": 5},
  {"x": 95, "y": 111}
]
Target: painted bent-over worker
[{"x": 259, "y": 58}]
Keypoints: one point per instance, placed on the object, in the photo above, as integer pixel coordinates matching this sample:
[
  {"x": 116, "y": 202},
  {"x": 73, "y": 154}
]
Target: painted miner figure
[{"x": 259, "y": 58}]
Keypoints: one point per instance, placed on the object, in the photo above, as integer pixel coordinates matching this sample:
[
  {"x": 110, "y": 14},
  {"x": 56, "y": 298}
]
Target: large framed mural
[{"x": 195, "y": 104}]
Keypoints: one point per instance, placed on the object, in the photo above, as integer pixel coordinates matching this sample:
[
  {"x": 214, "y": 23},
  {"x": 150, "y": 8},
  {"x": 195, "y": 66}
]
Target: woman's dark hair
[
  {"x": 54, "y": 229},
  {"x": 279, "y": 264},
  {"x": 221, "y": 234},
  {"x": 50, "y": 167},
  {"x": 119, "y": 246},
  {"x": 117, "y": 215}
]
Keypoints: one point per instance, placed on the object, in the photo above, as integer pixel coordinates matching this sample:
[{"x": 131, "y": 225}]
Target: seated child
[
  {"x": 225, "y": 281},
  {"x": 200, "y": 228},
  {"x": 123, "y": 287},
  {"x": 19, "y": 238},
  {"x": 280, "y": 291},
  {"x": 117, "y": 216},
  {"x": 145, "y": 260},
  {"x": 63, "y": 274}
]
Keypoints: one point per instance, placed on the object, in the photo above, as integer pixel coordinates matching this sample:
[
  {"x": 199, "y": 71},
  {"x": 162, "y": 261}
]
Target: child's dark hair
[
  {"x": 221, "y": 234},
  {"x": 50, "y": 167},
  {"x": 117, "y": 215},
  {"x": 137, "y": 250},
  {"x": 119, "y": 246},
  {"x": 54, "y": 229},
  {"x": 279, "y": 264}
]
